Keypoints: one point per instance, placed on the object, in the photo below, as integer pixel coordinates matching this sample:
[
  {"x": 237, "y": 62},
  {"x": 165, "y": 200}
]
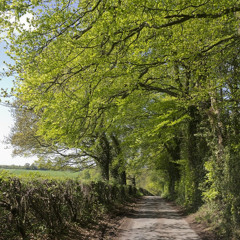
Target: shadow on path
[{"x": 155, "y": 219}]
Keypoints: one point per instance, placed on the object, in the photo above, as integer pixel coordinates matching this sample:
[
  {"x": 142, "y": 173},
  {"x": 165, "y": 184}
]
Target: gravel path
[{"x": 154, "y": 219}]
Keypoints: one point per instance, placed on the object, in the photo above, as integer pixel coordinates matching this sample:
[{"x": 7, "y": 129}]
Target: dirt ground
[
  {"x": 201, "y": 229},
  {"x": 147, "y": 218},
  {"x": 165, "y": 215},
  {"x": 155, "y": 219}
]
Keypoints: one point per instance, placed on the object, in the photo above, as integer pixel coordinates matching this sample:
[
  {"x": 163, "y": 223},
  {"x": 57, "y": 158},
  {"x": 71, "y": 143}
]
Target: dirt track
[{"x": 154, "y": 219}]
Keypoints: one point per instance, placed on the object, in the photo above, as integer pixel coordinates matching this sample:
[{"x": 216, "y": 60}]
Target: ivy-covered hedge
[{"x": 33, "y": 208}]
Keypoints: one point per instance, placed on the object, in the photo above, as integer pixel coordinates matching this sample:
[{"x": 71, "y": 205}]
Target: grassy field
[{"x": 43, "y": 173}]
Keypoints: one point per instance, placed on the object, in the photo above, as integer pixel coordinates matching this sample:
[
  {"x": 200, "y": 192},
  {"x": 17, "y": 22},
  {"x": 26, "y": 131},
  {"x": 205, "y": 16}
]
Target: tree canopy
[{"x": 136, "y": 83}]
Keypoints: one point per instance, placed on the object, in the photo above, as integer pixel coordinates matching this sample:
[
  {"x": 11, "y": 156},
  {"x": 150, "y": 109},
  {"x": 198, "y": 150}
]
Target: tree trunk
[
  {"x": 118, "y": 171},
  {"x": 194, "y": 160},
  {"x": 173, "y": 169},
  {"x": 123, "y": 178},
  {"x": 105, "y": 157},
  {"x": 104, "y": 167}
]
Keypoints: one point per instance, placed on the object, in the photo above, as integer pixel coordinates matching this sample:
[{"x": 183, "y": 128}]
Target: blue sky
[{"x": 6, "y": 121}]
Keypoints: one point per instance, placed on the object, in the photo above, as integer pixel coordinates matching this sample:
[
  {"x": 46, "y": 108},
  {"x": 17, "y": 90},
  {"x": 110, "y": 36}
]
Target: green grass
[{"x": 43, "y": 173}]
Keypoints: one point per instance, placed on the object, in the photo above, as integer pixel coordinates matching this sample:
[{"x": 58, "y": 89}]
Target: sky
[{"x": 6, "y": 120}]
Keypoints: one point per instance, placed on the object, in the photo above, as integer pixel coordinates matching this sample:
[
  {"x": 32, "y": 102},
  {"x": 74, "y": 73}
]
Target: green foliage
[
  {"x": 185, "y": 187},
  {"x": 212, "y": 215},
  {"x": 210, "y": 193},
  {"x": 133, "y": 84},
  {"x": 151, "y": 180},
  {"x": 43, "y": 173},
  {"x": 37, "y": 207}
]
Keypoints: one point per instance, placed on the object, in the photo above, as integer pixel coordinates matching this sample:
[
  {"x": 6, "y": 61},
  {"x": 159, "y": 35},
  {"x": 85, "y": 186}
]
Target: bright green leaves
[
  {"x": 92, "y": 57},
  {"x": 132, "y": 69},
  {"x": 78, "y": 63}
]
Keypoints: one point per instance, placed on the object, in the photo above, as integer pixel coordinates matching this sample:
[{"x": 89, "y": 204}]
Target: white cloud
[
  {"x": 24, "y": 20},
  {"x": 6, "y": 121},
  {"x": 8, "y": 159}
]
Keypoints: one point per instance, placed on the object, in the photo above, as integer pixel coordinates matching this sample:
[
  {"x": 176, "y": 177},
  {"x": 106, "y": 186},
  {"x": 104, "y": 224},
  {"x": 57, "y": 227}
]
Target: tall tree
[{"x": 93, "y": 67}]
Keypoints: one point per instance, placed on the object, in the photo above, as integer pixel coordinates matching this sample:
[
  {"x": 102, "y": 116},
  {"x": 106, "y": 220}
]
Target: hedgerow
[{"x": 31, "y": 208}]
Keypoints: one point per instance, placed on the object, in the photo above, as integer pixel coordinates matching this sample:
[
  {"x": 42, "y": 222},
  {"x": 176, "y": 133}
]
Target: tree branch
[{"x": 157, "y": 89}]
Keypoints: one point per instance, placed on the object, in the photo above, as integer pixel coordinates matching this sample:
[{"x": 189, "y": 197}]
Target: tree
[
  {"x": 100, "y": 150},
  {"x": 156, "y": 74}
]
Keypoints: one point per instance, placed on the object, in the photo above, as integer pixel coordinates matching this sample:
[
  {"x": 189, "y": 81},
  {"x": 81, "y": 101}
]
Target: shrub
[{"x": 37, "y": 206}]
